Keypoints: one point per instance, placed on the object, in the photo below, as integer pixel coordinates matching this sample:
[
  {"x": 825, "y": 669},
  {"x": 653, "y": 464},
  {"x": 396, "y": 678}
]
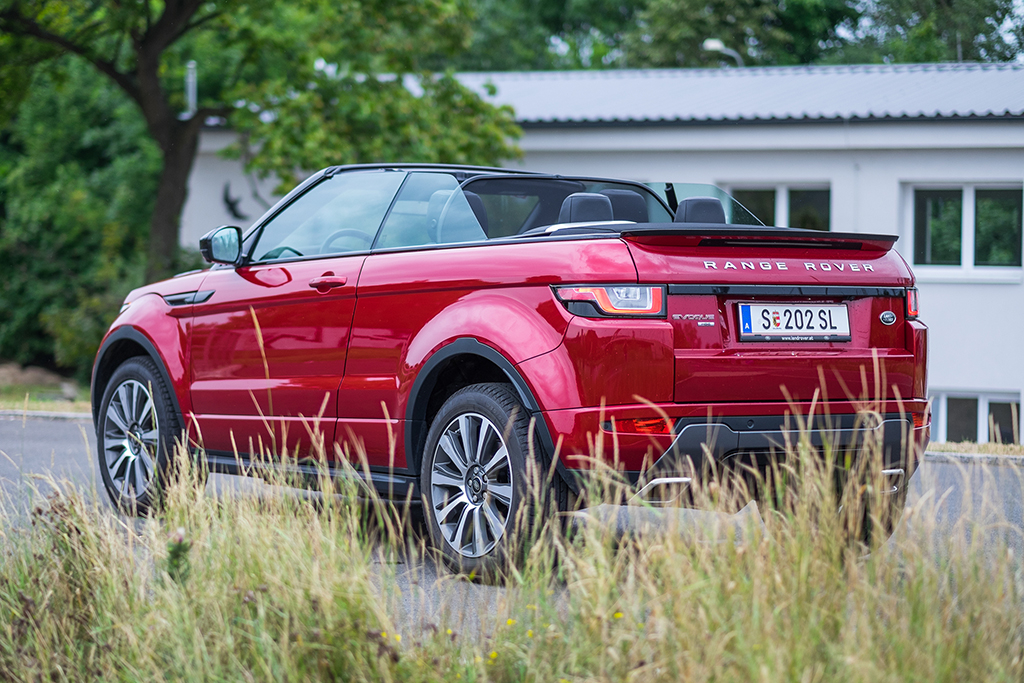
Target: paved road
[{"x": 965, "y": 496}]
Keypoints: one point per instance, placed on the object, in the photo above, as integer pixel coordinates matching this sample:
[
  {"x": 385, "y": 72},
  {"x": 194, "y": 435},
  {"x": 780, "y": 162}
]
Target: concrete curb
[
  {"x": 975, "y": 458},
  {"x": 966, "y": 458},
  {"x": 44, "y": 415}
]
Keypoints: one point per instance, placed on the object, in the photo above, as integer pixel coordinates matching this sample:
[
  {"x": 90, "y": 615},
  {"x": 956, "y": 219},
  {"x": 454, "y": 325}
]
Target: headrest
[
  {"x": 627, "y": 205},
  {"x": 585, "y": 207},
  {"x": 700, "y": 210},
  {"x": 479, "y": 210}
]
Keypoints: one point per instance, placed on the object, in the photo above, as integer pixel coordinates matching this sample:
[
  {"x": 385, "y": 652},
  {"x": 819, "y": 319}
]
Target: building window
[
  {"x": 1004, "y": 422},
  {"x": 984, "y": 418},
  {"x": 788, "y": 207},
  {"x": 761, "y": 203},
  {"x": 937, "y": 227},
  {"x": 997, "y": 227},
  {"x": 961, "y": 419},
  {"x": 809, "y": 209},
  {"x": 968, "y": 226}
]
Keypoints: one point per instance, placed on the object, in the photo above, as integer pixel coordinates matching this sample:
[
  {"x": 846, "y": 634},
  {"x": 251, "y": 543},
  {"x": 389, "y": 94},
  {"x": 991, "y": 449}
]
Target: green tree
[
  {"x": 546, "y": 34},
  {"x": 507, "y": 35},
  {"x": 946, "y": 30},
  {"x": 77, "y": 177},
  {"x": 764, "y": 32},
  {"x": 250, "y": 53},
  {"x": 812, "y": 29}
]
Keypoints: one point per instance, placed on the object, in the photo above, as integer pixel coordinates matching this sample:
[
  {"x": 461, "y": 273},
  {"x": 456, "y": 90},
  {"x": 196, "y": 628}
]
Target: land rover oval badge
[{"x": 887, "y": 317}]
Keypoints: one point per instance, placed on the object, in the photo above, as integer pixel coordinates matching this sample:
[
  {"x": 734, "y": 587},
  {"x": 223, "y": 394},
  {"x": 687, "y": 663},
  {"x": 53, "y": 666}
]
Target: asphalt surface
[{"x": 978, "y": 502}]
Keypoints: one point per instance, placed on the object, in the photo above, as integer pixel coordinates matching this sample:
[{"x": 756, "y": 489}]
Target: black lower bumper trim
[{"x": 728, "y": 437}]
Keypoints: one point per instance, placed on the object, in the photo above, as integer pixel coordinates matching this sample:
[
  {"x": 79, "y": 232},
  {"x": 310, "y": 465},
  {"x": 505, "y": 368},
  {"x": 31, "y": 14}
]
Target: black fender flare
[
  {"x": 128, "y": 333},
  {"x": 416, "y": 426}
]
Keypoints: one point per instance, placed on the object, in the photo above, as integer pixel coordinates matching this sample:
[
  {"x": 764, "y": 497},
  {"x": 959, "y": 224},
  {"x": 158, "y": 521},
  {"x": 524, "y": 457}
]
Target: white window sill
[{"x": 988, "y": 275}]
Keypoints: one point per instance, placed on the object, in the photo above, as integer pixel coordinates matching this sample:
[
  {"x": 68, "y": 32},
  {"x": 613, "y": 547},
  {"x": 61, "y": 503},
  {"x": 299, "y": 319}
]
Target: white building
[{"x": 932, "y": 153}]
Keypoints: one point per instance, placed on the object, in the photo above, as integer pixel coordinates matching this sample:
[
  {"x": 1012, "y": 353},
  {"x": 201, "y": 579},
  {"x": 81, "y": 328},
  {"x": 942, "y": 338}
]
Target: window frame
[
  {"x": 967, "y": 271},
  {"x": 782, "y": 214},
  {"x": 940, "y": 410}
]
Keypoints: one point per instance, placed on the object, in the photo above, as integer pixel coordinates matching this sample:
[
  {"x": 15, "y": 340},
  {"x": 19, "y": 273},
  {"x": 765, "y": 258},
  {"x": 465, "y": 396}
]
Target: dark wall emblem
[
  {"x": 887, "y": 317},
  {"x": 232, "y": 204}
]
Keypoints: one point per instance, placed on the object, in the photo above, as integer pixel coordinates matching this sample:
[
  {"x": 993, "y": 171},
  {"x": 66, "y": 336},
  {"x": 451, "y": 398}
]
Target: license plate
[{"x": 794, "y": 322}]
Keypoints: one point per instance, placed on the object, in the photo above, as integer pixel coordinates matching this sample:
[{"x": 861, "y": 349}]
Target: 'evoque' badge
[{"x": 887, "y": 317}]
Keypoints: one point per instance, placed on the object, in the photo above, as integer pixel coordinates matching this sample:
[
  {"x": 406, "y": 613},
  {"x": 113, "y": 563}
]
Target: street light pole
[{"x": 716, "y": 45}]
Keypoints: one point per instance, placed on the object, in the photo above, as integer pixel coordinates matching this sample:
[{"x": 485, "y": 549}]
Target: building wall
[
  {"x": 976, "y": 315},
  {"x": 205, "y": 208}
]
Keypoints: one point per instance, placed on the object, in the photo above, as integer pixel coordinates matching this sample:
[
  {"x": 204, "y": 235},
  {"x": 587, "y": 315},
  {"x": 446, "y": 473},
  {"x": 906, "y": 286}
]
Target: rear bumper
[
  {"x": 584, "y": 436},
  {"x": 701, "y": 447},
  {"x": 726, "y": 438}
]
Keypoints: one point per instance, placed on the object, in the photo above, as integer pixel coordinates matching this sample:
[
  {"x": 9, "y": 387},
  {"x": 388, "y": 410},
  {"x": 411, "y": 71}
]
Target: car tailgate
[{"x": 853, "y": 286}]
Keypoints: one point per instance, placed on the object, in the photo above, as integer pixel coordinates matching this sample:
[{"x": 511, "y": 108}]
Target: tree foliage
[
  {"x": 77, "y": 178},
  {"x": 549, "y": 34},
  {"x": 546, "y": 34},
  {"x": 251, "y": 53},
  {"x": 347, "y": 118},
  {"x": 671, "y": 32},
  {"x": 947, "y": 30}
]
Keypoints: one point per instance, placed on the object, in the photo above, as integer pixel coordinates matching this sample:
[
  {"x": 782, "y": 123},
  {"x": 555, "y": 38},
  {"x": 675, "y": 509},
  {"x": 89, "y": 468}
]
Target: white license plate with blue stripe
[{"x": 794, "y": 322}]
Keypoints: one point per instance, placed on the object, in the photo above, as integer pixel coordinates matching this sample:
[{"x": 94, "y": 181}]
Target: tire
[
  {"x": 477, "y": 509},
  {"x": 136, "y": 435}
]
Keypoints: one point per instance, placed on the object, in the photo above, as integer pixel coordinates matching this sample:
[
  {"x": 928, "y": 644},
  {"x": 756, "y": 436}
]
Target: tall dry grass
[{"x": 277, "y": 586}]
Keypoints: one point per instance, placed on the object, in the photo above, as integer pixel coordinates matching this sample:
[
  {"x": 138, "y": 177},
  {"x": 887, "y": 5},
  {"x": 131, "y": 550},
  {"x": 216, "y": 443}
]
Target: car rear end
[{"x": 776, "y": 335}]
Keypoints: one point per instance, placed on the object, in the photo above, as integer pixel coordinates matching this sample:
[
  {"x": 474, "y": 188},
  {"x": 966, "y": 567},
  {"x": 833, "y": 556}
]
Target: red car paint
[{"x": 344, "y": 349}]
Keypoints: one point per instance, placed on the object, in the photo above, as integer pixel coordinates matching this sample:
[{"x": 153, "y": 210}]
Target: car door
[
  {"x": 269, "y": 344},
  {"x": 430, "y": 210}
]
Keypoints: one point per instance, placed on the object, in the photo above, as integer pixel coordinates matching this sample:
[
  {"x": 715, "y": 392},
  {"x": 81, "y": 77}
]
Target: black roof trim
[{"x": 402, "y": 166}]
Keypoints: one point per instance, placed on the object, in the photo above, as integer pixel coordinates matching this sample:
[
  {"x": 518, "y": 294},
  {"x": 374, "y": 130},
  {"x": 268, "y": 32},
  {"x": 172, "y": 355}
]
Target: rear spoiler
[{"x": 719, "y": 235}]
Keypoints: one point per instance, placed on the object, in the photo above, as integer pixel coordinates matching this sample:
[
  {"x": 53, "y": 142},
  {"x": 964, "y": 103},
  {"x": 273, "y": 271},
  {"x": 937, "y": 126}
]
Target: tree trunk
[{"x": 179, "y": 153}]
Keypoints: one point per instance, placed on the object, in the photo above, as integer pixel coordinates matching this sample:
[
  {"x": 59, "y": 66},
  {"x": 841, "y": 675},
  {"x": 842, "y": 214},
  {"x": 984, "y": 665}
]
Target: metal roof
[{"x": 752, "y": 94}]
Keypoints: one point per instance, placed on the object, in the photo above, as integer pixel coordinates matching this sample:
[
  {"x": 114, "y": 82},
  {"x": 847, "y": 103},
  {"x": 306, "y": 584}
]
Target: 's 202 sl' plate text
[{"x": 794, "y": 322}]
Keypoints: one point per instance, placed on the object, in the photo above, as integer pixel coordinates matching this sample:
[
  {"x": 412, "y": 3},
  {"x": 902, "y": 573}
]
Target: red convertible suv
[{"x": 452, "y": 322}]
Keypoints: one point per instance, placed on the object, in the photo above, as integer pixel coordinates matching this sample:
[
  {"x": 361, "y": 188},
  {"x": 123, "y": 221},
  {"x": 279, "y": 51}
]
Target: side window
[
  {"x": 337, "y": 215},
  {"x": 431, "y": 209}
]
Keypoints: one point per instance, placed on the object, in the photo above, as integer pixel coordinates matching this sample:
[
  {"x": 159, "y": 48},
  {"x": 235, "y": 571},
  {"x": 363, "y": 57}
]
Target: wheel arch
[
  {"x": 120, "y": 345},
  {"x": 432, "y": 387}
]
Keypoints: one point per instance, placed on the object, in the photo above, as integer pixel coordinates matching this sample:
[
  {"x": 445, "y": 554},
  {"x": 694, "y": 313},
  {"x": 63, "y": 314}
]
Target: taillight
[
  {"x": 912, "y": 303},
  {"x": 920, "y": 420},
  {"x": 613, "y": 301}
]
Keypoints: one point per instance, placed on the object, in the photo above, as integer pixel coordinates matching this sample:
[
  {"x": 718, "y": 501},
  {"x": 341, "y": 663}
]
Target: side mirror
[{"x": 222, "y": 245}]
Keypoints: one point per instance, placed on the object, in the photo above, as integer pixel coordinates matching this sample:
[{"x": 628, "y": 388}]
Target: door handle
[{"x": 327, "y": 282}]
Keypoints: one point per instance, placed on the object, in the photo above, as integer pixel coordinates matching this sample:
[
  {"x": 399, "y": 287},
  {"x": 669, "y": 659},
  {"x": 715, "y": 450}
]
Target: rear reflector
[
  {"x": 912, "y": 303},
  {"x": 640, "y": 425},
  {"x": 919, "y": 420}
]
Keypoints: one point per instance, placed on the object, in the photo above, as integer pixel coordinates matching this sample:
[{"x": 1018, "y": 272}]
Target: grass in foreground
[{"x": 276, "y": 588}]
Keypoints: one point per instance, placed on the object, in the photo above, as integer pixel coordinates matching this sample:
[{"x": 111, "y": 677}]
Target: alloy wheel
[
  {"x": 130, "y": 438},
  {"x": 471, "y": 485}
]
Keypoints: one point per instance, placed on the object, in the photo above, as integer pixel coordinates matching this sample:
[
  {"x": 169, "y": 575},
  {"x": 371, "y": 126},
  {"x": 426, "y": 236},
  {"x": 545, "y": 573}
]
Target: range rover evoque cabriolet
[{"x": 457, "y": 321}]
